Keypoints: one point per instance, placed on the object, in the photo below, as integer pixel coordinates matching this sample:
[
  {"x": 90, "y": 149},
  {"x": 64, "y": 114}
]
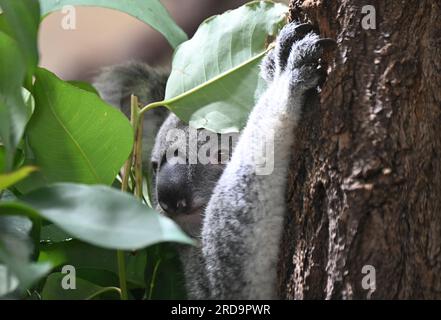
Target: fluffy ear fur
[{"x": 116, "y": 84}]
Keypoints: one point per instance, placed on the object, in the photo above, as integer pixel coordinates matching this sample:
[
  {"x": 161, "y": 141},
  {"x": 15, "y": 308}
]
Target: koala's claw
[
  {"x": 303, "y": 29},
  {"x": 297, "y": 52},
  {"x": 291, "y": 33}
]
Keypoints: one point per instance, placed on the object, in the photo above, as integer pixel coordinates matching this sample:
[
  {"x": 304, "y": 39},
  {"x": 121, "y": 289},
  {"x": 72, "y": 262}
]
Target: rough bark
[{"x": 365, "y": 182}]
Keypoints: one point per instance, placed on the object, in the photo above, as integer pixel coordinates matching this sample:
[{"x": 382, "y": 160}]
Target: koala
[{"x": 233, "y": 209}]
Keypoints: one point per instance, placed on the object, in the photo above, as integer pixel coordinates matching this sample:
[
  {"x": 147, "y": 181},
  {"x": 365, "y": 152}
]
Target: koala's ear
[
  {"x": 125, "y": 104},
  {"x": 117, "y": 83}
]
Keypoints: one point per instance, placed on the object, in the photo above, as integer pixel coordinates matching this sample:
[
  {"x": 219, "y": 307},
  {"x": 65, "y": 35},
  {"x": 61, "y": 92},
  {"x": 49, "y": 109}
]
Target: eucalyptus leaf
[
  {"x": 215, "y": 75},
  {"x": 16, "y": 251},
  {"x": 104, "y": 216},
  {"x": 52, "y": 234},
  {"x": 20, "y": 21},
  {"x": 14, "y": 113},
  {"x": 74, "y": 135},
  {"x": 151, "y": 12},
  {"x": 86, "y": 257},
  {"x": 84, "y": 290},
  {"x": 164, "y": 274},
  {"x": 10, "y": 207},
  {"x": 84, "y": 85},
  {"x": 2, "y": 158}
]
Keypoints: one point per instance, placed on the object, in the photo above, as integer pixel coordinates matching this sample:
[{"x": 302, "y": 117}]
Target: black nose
[
  {"x": 174, "y": 201},
  {"x": 173, "y": 189}
]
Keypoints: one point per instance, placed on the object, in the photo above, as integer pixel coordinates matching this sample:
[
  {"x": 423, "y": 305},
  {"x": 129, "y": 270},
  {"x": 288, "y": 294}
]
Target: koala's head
[{"x": 187, "y": 163}]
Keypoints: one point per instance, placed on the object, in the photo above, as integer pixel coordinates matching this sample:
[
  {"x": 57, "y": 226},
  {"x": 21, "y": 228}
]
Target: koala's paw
[{"x": 296, "y": 56}]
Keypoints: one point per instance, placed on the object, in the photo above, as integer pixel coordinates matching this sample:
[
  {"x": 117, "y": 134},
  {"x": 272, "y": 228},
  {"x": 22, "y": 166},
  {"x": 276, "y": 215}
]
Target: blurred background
[{"x": 104, "y": 37}]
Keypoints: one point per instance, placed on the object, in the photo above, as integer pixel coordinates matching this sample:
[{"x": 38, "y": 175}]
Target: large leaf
[
  {"x": 10, "y": 207},
  {"x": 215, "y": 74},
  {"x": 84, "y": 289},
  {"x": 164, "y": 276},
  {"x": 104, "y": 216},
  {"x": 13, "y": 111},
  {"x": 51, "y": 234},
  {"x": 85, "y": 256},
  {"x": 151, "y": 12},
  {"x": 21, "y": 20},
  {"x": 74, "y": 135},
  {"x": 16, "y": 250}
]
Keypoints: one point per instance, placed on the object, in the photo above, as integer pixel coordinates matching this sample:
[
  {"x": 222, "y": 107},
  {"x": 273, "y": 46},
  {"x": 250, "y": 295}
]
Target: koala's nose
[
  {"x": 174, "y": 202},
  {"x": 173, "y": 190}
]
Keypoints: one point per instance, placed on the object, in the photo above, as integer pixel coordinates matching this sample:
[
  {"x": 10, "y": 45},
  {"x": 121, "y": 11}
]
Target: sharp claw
[
  {"x": 327, "y": 43},
  {"x": 304, "y": 28}
]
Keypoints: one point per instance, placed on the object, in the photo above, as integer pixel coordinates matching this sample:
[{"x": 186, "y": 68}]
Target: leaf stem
[
  {"x": 137, "y": 150},
  {"x": 135, "y": 154},
  {"x": 104, "y": 290},
  {"x": 151, "y": 106},
  {"x": 153, "y": 281},
  {"x": 122, "y": 274}
]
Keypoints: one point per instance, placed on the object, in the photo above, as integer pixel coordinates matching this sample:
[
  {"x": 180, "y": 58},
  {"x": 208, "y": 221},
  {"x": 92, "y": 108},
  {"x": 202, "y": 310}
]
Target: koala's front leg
[{"x": 243, "y": 221}]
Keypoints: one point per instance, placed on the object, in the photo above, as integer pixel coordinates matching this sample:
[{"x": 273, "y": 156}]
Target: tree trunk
[{"x": 365, "y": 180}]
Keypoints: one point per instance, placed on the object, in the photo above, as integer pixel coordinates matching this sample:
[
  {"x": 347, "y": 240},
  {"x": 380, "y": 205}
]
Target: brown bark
[{"x": 365, "y": 182}]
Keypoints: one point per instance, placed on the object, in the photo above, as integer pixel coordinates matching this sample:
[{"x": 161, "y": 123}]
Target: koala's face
[{"x": 187, "y": 164}]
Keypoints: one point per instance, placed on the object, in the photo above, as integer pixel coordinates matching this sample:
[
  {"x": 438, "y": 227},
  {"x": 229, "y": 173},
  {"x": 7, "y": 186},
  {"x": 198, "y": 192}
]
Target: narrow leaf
[
  {"x": 151, "y": 12},
  {"x": 84, "y": 290},
  {"x": 104, "y": 216},
  {"x": 21, "y": 20},
  {"x": 14, "y": 113}
]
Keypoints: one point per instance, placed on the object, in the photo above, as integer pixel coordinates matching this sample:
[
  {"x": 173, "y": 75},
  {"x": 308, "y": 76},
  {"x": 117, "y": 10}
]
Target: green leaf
[
  {"x": 217, "y": 89},
  {"x": 2, "y": 158},
  {"x": 24, "y": 272},
  {"x": 84, "y": 289},
  {"x": 16, "y": 250},
  {"x": 86, "y": 257},
  {"x": 151, "y": 12},
  {"x": 74, "y": 135},
  {"x": 9, "y": 179},
  {"x": 21, "y": 20},
  {"x": 51, "y": 234},
  {"x": 14, "y": 113},
  {"x": 29, "y": 100},
  {"x": 104, "y": 216},
  {"x": 83, "y": 85},
  {"x": 164, "y": 276},
  {"x": 10, "y": 207}
]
